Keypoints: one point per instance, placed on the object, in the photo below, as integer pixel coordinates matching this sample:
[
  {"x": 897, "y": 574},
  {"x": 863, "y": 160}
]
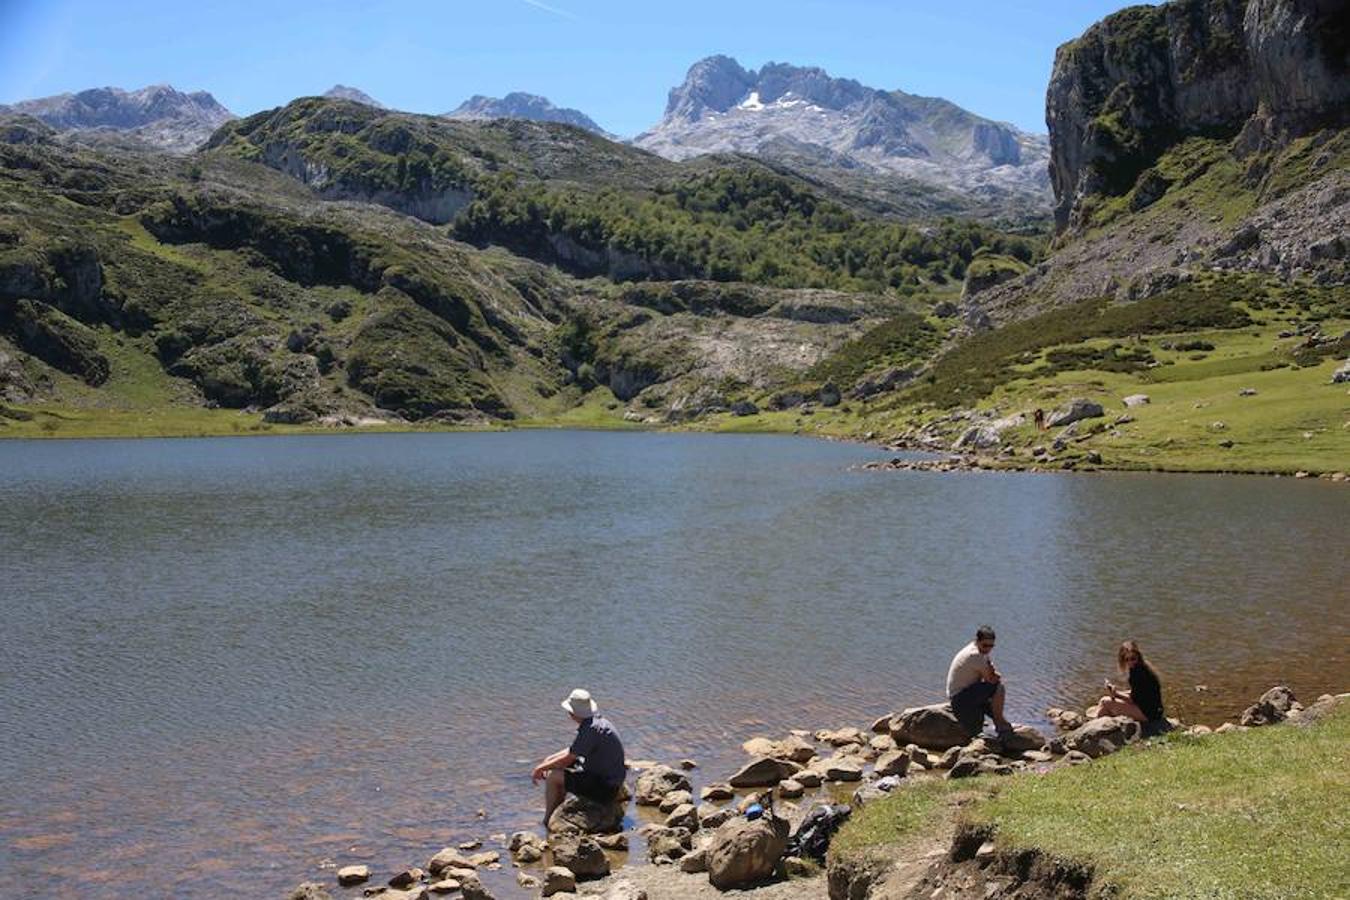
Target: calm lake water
[{"x": 227, "y": 663}]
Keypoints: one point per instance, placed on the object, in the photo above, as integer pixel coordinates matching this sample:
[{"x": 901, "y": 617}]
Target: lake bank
[
  {"x": 1060, "y": 820},
  {"x": 1328, "y": 458}
]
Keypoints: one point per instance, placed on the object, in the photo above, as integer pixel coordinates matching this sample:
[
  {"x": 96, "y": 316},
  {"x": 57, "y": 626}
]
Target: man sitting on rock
[
  {"x": 975, "y": 687},
  {"x": 596, "y": 746}
]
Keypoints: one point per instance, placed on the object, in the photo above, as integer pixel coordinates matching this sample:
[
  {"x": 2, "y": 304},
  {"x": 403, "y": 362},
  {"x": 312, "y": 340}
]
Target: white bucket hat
[{"x": 579, "y": 703}]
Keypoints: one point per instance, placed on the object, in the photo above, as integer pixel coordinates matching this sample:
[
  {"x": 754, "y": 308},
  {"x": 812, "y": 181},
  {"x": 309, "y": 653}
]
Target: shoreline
[
  {"x": 850, "y": 765},
  {"x": 946, "y": 461}
]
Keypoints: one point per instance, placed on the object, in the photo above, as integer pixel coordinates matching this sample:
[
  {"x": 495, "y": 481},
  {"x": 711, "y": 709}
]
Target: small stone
[
  {"x": 694, "y": 862},
  {"x": 444, "y": 886},
  {"x": 843, "y": 769},
  {"x": 617, "y": 842},
  {"x": 558, "y": 879},
  {"x": 673, "y": 799},
  {"x": 1247, "y": 392},
  {"x": 407, "y": 878},
  {"x": 683, "y": 816},
  {"x": 796, "y": 867},
  {"x": 527, "y": 881},
  {"x": 809, "y": 778},
  {"x": 717, "y": 792},
  {"x": 350, "y": 875},
  {"x": 894, "y": 762},
  {"x": 790, "y": 789}
]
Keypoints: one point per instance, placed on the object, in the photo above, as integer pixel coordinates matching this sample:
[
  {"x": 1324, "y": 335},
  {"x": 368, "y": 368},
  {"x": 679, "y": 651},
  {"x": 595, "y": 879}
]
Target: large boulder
[
  {"x": 581, "y": 815},
  {"x": 656, "y": 782},
  {"x": 1078, "y": 408},
  {"x": 763, "y": 772},
  {"x": 1274, "y": 706},
  {"x": 746, "y": 851},
  {"x": 1102, "y": 735},
  {"x": 580, "y": 854},
  {"x": 931, "y": 727}
]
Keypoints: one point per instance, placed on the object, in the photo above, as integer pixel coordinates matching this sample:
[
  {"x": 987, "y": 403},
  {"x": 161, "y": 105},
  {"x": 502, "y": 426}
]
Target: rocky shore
[{"x": 702, "y": 839}]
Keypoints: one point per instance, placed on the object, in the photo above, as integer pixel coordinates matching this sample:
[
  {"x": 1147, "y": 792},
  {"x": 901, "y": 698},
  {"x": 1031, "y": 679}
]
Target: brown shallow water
[{"x": 229, "y": 663}]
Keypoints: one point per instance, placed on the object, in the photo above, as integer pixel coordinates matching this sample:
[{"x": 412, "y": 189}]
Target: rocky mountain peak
[
  {"x": 158, "y": 114},
  {"x": 802, "y": 115},
  {"x": 520, "y": 105},
  {"x": 715, "y": 83},
  {"x": 356, "y": 95}
]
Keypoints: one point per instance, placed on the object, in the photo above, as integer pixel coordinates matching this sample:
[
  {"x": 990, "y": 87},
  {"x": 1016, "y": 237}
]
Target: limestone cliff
[{"x": 1146, "y": 77}]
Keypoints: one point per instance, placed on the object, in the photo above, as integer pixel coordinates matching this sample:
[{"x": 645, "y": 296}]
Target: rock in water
[
  {"x": 1078, "y": 408},
  {"x": 656, "y": 782},
  {"x": 1274, "y": 706},
  {"x": 473, "y": 889},
  {"x": 558, "y": 879},
  {"x": 763, "y": 772},
  {"x": 349, "y": 875},
  {"x": 580, "y": 815},
  {"x": 931, "y": 727},
  {"x": 581, "y": 854},
  {"x": 449, "y": 858},
  {"x": 310, "y": 890},
  {"x": 746, "y": 851},
  {"x": 1102, "y": 736}
]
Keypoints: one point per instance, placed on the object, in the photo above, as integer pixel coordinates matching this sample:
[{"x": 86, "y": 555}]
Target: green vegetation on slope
[
  {"x": 1255, "y": 814},
  {"x": 728, "y": 225}
]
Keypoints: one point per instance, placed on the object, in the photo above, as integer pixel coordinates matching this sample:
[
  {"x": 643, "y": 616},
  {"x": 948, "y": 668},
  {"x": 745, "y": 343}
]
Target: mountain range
[
  {"x": 856, "y": 138},
  {"x": 158, "y": 115},
  {"x": 805, "y": 117}
]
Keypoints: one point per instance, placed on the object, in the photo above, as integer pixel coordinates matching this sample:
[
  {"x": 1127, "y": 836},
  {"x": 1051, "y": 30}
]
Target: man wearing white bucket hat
[{"x": 596, "y": 746}]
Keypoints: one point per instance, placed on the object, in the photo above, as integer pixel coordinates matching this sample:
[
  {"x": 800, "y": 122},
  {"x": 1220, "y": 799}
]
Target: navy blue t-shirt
[{"x": 601, "y": 751}]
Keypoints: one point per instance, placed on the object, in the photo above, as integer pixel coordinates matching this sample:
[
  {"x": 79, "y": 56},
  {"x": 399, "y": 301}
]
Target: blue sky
[{"x": 613, "y": 59}]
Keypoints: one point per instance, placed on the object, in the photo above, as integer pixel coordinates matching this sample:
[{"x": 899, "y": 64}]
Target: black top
[
  {"x": 1146, "y": 692},
  {"x": 601, "y": 751}
]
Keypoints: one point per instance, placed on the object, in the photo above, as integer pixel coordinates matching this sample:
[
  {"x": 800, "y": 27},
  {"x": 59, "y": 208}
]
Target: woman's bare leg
[{"x": 1112, "y": 706}]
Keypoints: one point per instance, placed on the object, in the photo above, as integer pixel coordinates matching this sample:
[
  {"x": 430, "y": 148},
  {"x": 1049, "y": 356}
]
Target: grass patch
[
  {"x": 918, "y": 810},
  {"x": 1255, "y": 814},
  {"x": 896, "y": 342}
]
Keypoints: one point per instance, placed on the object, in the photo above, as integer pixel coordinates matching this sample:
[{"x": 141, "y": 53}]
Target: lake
[{"x": 228, "y": 663}]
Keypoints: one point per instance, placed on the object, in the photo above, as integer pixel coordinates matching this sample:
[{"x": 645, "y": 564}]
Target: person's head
[
  {"x": 984, "y": 639},
  {"x": 579, "y": 705},
  {"x": 1129, "y": 655}
]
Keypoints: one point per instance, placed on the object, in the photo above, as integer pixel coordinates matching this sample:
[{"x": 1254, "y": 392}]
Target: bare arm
[{"x": 560, "y": 760}]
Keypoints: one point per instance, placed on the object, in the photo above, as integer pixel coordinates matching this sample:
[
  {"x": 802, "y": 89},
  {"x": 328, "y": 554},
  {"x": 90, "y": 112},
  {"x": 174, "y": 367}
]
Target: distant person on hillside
[
  {"x": 1039, "y": 416},
  {"x": 1143, "y": 701},
  {"x": 975, "y": 687},
  {"x": 596, "y": 746}
]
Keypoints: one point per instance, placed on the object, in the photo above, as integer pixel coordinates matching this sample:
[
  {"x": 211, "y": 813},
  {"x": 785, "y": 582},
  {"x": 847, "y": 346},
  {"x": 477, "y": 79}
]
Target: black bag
[{"x": 817, "y": 829}]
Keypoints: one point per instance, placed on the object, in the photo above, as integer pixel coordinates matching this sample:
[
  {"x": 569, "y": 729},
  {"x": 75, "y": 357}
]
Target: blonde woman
[{"x": 1143, "y": 701}]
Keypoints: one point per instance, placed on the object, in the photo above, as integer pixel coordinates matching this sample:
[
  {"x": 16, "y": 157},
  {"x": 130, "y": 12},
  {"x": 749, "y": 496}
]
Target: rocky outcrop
[
  {"x": 1141, "y": 79},
  {"x": 1273, "y": 707}
]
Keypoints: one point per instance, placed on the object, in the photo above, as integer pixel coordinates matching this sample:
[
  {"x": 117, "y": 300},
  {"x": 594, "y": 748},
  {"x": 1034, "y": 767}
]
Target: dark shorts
[
  {"x": 584, "y": 784},
  {"x": 971, "y": 705}
]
